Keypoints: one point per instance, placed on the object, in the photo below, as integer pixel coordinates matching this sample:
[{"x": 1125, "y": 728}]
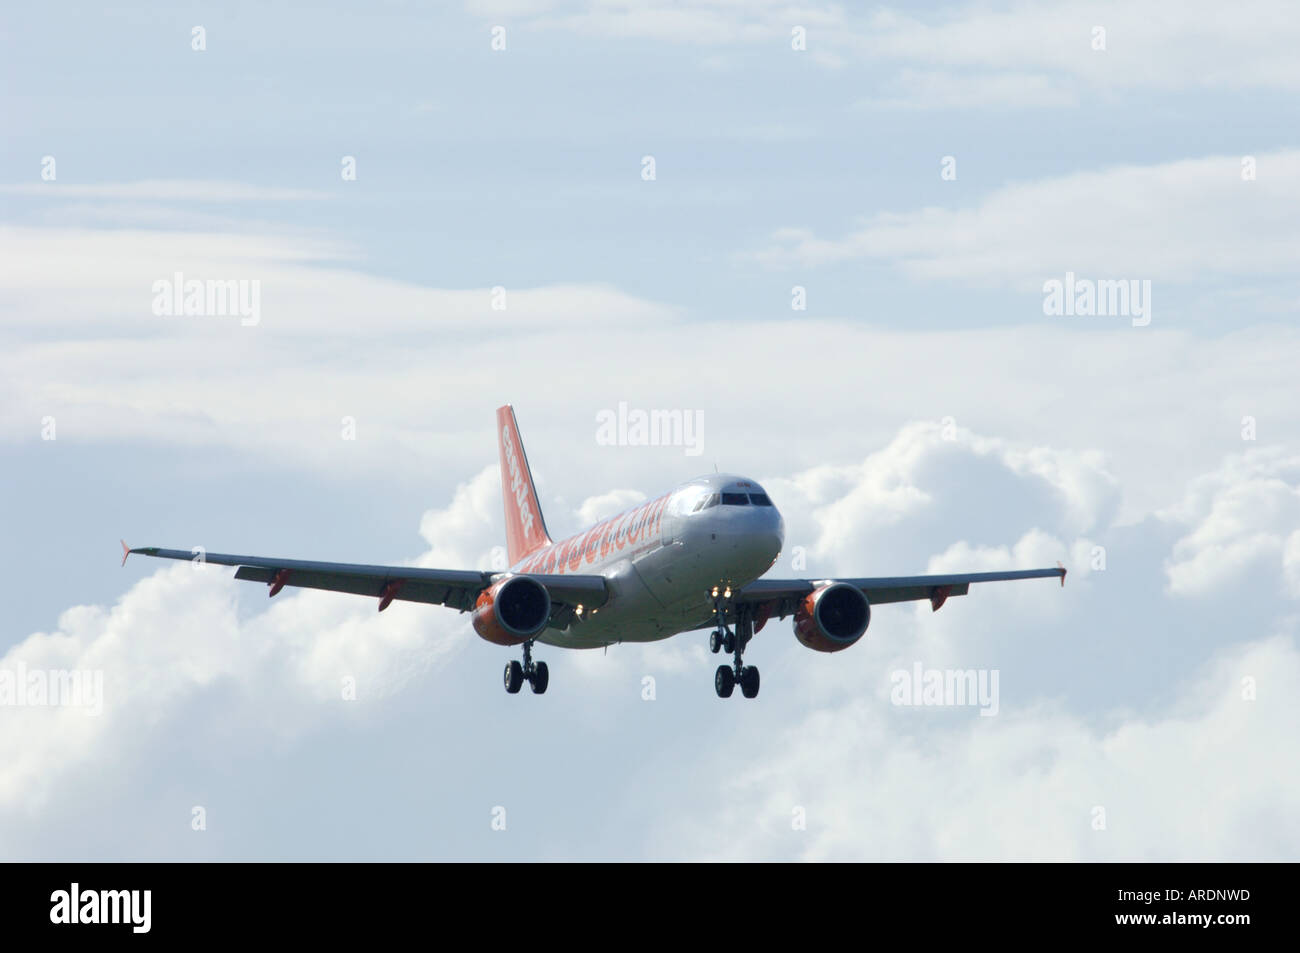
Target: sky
[{"x": 828, "y": 230}]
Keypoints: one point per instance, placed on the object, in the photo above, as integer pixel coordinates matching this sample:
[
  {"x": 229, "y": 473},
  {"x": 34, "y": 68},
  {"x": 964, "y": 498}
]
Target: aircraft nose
[
  {"x": 777, "y": 533},
  {"x": 766, "y": 534}
]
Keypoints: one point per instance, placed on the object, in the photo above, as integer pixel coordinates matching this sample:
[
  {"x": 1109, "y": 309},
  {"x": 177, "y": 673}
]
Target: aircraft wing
[
  {"x": 456, "y": 588},
  {"x": 784, "y": 595}
]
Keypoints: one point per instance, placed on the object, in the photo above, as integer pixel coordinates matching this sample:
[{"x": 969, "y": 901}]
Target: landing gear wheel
[
  {"x": 514, "y": 677},
  {"x": 541, "y": 677},
  {"x": 734, "y": 644},
  {"x": 724, "y": 681}
]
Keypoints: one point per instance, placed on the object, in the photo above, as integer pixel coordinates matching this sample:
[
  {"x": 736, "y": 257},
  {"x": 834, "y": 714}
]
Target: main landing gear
[
  {"x": 727, "y": 677},
  {"x": 536, "y": 673}
]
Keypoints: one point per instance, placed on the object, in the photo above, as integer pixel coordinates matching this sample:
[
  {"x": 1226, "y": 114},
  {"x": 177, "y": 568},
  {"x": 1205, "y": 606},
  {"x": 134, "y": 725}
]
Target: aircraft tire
[
  {"x": 540, "y": 679},
  {"x": 514, "y": 677},
  {"x": 724, "y": 681}
]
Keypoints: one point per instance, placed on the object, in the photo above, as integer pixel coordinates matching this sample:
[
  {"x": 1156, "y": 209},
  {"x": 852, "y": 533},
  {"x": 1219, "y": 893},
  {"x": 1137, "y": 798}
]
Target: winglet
[
  {"x": 126, "y": 550},
  {"x": 1062, "y": 568}
]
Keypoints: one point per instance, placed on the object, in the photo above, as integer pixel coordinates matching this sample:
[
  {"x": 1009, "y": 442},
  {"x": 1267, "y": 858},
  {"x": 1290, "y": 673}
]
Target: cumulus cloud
[
  {"x": 1240, "y": 520},
  {"x": 367, "y": 386},
  {"x": 934, "y": 475},
  {"x": 273, "y": 677},
  {"x": 1200, "y": 780},
  {"x": 906, "y": 489},
  {"x": 178, "y": 633}
]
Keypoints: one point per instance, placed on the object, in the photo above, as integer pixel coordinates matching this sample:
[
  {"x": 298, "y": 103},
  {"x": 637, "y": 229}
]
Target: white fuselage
[{"x": 663, "y": 558}]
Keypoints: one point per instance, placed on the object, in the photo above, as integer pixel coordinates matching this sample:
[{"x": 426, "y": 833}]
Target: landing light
[{"x": 727, "y": 594}]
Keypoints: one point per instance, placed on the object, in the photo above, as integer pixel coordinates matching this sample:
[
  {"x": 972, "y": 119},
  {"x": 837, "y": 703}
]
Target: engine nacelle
[
  {"x": 512, "y": 611},
  {"x": 832, "y": 617}
]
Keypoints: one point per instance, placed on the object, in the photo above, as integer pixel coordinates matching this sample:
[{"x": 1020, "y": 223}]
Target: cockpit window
[
  {"x": 735, "y": 499},
  {"x": 705, "y": 503},
  {"x": 689, "y": 500},
  {"x": 760, "y": 499}
]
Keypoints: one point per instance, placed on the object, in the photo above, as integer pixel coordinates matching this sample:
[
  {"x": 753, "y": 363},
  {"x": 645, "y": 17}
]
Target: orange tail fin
[{"x": 525, "y": 528}]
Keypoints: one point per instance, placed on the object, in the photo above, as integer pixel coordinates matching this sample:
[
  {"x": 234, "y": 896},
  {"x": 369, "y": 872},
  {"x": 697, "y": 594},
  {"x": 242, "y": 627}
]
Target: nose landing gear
[
  {"x": 727, "y": 677},
  {"x": 536, "y": 673}
]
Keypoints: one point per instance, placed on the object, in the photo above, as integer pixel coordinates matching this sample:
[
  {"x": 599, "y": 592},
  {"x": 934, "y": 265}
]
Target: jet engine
[
  {"x": 512, "y": 611},
  {"x": 832, "y": 617}
]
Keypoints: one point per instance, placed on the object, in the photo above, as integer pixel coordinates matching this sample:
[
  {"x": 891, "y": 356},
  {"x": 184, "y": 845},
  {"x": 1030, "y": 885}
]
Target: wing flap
[
  {"x": 411, "y": 590},
  {"x": 455, "y": 577},
  {"x": 880, "y": 595},
  {"x": 456, "y": 588},
  {"x": 784, "y": 595}
]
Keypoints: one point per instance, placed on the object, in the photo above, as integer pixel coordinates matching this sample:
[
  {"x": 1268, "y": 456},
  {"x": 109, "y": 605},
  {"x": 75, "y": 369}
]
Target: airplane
[{"x": 689, "y": 559}]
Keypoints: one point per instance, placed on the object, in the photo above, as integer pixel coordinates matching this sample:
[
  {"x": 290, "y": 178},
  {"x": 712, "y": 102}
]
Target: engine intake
[
  {"x": 832, "y": 617},
  {"x": 512, "y": 611}
]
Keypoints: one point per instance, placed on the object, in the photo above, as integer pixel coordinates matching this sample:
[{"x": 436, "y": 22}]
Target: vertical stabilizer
[{"x": 525, "y": 528}]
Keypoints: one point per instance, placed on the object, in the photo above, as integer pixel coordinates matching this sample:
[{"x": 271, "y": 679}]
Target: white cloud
[
  {"x": 218, "y": 696},
  {"x": 1202, "y": 780},
  {"x": 608, "y": 504},
  {"x": 1012, "y": 52},
  {"x": 462, "y": 534},
  {"x": 854, "y": 509},
  {"x": 83, "y": 347},
  {"x": 167, "y": 190},
  {"x": 176, "y": 634},
  {"x": 104, "y": 281},
  {"x": 938, "y": 89},
  {"x": 1029, "y": 780},
  {"x": 1240, "y": 520},
  {"x": 115, "y": 369},
  {"x": 1177, "y": 221},
  {"x": 1162, "y": 45}
]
